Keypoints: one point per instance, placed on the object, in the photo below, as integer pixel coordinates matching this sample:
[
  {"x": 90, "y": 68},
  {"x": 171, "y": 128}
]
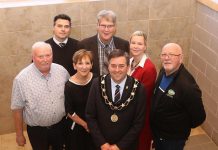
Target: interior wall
[
  {"x": 204, "y": 63},
  {"x": 163, "y": 21}
]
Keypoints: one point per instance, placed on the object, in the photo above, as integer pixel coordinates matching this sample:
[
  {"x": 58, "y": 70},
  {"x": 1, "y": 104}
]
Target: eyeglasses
[
  {"x": 106, "y": 26},
  {"x": 170, "y": 55}
]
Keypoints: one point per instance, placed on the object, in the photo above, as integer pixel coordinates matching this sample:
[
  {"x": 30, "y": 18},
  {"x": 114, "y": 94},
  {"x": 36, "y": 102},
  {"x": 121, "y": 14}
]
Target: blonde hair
[{"x": 139, "y": 33}]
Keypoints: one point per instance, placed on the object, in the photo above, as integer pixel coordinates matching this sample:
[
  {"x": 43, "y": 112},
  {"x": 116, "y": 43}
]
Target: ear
[
  {"x": 74, "y": 66},
  {"x": 181, "y": 58},
  {"x": 91, "y": 65}
]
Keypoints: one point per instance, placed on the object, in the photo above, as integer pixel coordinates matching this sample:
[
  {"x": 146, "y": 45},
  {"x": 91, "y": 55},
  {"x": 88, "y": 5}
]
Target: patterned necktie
[
  {"x": 106, "y": 50},
  {"x": 117, "y": 94},
  {"x": 62, "y": 45}
]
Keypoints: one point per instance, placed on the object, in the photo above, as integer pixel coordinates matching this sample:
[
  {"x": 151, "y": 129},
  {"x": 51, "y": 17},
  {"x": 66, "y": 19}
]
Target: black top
[
  {"x": 63, "y": 55},
  {"x": 76, "y": 97}
]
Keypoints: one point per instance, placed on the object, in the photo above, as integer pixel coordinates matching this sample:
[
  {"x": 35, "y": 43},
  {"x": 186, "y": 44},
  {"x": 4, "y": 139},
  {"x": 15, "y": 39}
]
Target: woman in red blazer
[{"x": 143, "y": 70}]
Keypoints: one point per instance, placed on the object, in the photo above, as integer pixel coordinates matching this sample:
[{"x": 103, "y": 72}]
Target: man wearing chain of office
[{"x": 115, "y": 110}]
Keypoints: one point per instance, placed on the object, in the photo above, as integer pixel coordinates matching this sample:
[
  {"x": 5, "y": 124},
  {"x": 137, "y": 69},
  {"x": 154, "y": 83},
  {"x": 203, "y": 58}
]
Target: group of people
[{"x": 90, "y": 95}]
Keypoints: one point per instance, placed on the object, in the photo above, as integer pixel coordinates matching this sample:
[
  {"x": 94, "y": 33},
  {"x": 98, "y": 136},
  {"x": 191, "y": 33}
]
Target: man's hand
[
  {"x": 105, "y": 146},
  {"x": 21, "y": 140}
]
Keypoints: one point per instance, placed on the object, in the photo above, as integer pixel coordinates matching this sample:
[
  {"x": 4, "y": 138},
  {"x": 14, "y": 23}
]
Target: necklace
[
  {"x": 114, "y": 117},
  {"x": 82, "y": 81}
]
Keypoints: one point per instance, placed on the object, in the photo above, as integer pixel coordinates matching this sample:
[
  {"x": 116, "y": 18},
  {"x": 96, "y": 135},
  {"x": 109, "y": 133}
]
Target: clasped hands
[{"x": 107, "y": 146}]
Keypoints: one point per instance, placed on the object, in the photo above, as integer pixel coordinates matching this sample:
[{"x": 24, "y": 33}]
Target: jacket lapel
[
  {"x": 127, "y": 89},
  {"x": 108, "y": 87}
]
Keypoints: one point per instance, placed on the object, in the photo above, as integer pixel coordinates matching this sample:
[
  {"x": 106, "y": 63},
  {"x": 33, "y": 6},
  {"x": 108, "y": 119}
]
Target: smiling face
[
  {"x": 118, "y": 68},
  {"x": 42, "y": 58},
  {"x": 171, "y": 57},
  {"x": 61, "y": 29},
  {"x": 137, "y": 46},
  {"x": 83, "y": 66},
  {"x": 106, "y": 29}
]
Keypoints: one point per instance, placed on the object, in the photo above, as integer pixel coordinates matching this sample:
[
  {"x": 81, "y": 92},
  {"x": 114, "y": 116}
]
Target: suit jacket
[
  {"x": 91, "y": 44},
  {"x": 125, "y": 132}
]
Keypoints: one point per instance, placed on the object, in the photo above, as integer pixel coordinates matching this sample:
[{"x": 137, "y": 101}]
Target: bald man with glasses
[{"x": 177, "y": 104}]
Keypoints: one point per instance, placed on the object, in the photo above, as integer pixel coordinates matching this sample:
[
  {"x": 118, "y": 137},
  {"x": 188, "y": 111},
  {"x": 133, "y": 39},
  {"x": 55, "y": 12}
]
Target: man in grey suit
[{"x": 104, "y": 41}]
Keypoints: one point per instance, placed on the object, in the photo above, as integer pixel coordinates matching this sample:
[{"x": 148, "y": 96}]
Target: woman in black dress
[{"x": 76, "y": 95}]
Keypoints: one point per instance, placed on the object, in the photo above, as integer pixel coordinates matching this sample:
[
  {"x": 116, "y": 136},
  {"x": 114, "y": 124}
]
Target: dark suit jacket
[
  {"x": 91, "y": 44},
  {"x": 125, "y": 132}
]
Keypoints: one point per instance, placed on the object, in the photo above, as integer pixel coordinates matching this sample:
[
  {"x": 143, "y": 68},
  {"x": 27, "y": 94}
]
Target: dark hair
[
  {"x": 119, "y": 53},
  {"x": 80, "y": 54},
  {"x": 62, "y": 16}
]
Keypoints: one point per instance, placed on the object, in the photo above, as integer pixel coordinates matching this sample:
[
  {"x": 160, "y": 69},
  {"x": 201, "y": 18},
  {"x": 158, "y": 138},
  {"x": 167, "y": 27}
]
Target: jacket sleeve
[
  {"x": 194, "y": 105},
  {"x": 91, "y": 115},
  {"x": 137, "y": 124}
]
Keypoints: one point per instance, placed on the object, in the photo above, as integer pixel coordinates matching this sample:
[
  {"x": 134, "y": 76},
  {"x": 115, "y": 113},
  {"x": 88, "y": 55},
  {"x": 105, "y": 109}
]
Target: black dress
[{"x": 75, "y": 102}]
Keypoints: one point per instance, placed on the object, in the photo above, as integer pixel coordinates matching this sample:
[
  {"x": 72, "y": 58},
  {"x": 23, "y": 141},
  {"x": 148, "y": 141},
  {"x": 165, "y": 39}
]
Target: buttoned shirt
[
  {"x": 101, "y": 52},
  {"x": 58, "y": 43},
  {"x": 113, "y": 87},
  {"x": 41, "y": 97}
]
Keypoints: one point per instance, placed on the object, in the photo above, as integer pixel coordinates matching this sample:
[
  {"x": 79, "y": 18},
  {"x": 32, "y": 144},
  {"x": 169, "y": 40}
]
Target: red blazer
[{"x": 147, "y": 76}]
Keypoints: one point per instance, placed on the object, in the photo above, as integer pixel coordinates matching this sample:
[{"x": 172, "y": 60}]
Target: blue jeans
[{"x": 164, "y": 144}]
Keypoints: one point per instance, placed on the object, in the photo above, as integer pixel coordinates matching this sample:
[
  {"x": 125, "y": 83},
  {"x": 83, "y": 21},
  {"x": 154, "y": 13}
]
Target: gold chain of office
[{"x": 108, "y": 102}]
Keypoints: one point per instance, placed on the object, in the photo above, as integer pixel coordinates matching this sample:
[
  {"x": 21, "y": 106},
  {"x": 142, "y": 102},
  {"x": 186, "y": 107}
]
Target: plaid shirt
[{"x": 101, "y": 53}]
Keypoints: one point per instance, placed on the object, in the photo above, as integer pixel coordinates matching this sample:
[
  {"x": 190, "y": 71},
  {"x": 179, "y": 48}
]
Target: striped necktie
[
  {"x": 107, "y": 51},
  {"x": 62, "y": 45},
  {"x": 117, "y": 94}
]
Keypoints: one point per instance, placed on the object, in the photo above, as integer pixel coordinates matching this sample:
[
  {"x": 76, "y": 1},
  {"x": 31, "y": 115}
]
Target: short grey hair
[
  {"x": 40, "y": 44},
  {"x": 108, "y": 14}
]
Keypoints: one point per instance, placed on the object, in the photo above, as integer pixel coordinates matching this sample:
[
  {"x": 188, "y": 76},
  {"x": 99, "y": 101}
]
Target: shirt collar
[
  {"x": 104, "y": 45},
  {"x": 57, "y": 42},
  {"x": 121, "y": 84},
  {"x": 39, "y": 72},
  {"x": 142, "y": 61}
]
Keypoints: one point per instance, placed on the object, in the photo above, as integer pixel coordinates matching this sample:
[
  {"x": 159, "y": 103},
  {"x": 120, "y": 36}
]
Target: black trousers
[{"x": 41, "y": 138}]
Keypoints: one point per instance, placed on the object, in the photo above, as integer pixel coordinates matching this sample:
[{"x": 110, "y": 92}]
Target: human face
[
  {"x": 83, "y": 66},
  {"x": 61, "y": 29},
  {"x": 42, "y": 58},
  {"x": 118, "y": 68},
  {"x": 106, "y": 29},
  {"x": 137, "y": 46},
  {"x": 171, "y": 58}
]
